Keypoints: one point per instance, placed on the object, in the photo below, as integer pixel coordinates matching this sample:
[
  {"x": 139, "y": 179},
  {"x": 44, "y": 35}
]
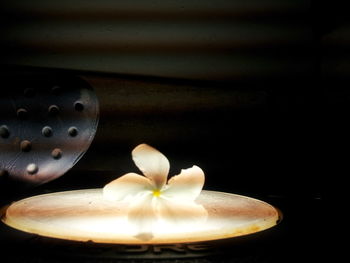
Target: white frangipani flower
[{"x": 151, "y": 197}]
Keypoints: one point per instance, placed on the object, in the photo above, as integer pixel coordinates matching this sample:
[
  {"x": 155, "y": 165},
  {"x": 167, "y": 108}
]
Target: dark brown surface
[{"x": 208, "y": 39}]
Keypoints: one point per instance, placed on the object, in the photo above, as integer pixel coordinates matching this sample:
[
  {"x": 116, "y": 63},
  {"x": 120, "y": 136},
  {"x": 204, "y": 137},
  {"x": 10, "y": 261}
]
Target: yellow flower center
[{"x": 156, "y": 193}]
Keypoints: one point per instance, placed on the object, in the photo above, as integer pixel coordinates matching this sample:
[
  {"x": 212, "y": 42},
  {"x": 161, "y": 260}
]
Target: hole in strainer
[
  {"x": 22, "y": 113},
  {"x": 47, "y": 131},
  {"x": 56, "y": 153},
  {"x": 4, "y": 131},
  {"x": 26, "y": 146},
  {"x": 73, "y": 131},
  {"x": 32, "y": 168},
  {"x": 56, "y": 90},
  {"x": 54, "y": 110},
  {"x": 78, "y": 106}
]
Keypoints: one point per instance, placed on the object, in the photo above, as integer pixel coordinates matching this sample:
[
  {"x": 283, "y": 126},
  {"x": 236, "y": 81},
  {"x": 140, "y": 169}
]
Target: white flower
[{"x": 151, "y": 197}]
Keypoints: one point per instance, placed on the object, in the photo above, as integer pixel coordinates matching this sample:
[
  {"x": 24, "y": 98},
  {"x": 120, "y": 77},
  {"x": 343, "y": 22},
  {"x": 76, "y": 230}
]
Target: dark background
[{"x": 254, "y": 92}]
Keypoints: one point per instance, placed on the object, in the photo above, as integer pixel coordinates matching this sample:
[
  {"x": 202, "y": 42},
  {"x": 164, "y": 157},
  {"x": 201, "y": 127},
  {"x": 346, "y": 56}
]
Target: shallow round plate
[{"x": 84, "y": 215}]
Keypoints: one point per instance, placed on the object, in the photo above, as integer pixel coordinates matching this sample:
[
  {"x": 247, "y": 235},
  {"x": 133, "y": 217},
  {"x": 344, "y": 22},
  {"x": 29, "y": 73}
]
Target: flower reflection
[{"x": 153, "y": 200}]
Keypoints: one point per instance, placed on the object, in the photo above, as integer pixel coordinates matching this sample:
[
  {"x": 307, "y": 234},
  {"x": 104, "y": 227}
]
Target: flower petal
[
  {"x": 179, "y": 213},
  {"x": 127, "y": 186},
  {"x": 152, "y": 163},
  {"x": 187, "y": 185},
  {"x": 142, "y": 216}
]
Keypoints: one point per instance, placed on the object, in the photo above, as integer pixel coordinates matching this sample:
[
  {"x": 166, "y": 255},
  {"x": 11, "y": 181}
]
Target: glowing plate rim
[{"x": 228, "y": 235}]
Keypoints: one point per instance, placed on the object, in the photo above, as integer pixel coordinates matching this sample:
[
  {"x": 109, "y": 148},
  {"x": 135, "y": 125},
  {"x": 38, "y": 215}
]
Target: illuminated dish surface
[{"x": 85, "y": 215}]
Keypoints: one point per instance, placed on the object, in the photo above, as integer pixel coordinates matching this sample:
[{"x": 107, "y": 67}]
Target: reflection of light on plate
[{"x": 84, "y": 215}]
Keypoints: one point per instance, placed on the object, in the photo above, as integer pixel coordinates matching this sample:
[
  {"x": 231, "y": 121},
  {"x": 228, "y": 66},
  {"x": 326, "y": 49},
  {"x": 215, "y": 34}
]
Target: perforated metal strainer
[{"x": 47, "y": 122}]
